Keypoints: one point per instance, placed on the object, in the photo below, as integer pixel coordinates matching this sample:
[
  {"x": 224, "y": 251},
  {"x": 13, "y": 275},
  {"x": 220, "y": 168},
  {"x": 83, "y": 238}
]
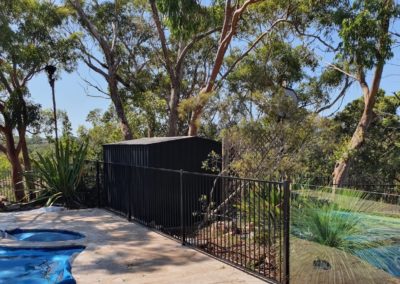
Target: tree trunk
[
  {"x": 16, "y": 168},
  {"x": 27, "y": 165},
  {"x": 173, "y": 111},
  {"x": 342, "y": 166},
  {"x": 119, "y": 109},
  {"x": 195, "y": 121}
]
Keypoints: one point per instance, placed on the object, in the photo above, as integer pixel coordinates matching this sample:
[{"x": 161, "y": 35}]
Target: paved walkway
[{"x": 121, "y": 252}]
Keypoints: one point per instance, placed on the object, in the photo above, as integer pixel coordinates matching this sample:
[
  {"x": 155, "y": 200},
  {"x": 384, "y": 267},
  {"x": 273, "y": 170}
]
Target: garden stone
[{"x": 321, "y": 264}]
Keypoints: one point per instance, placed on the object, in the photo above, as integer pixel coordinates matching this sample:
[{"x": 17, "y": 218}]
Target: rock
[
  {"x": 3, "y": 198},
  {"x": 321, "y": 264}
]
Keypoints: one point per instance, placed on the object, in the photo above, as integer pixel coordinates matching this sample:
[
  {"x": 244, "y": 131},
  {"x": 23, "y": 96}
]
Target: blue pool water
[
  {"x": 44, "y": 235},
  {"x": 37, "y": 265}
]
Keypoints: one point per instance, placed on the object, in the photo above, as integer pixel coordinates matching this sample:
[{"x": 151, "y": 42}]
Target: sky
[{"x": 72, "y": 93}]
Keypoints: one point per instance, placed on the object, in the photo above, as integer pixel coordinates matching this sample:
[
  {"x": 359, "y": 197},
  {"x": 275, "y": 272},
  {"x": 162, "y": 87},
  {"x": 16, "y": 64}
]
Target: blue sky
[{"x": 72, "y": 93}]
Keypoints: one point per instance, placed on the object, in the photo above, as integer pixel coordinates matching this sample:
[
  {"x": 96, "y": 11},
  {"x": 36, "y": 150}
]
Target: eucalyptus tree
[
  {"x": 365, "y": 43},
  {"x": 119, "y": 32},
  {"x": 188, "y": 23},
  {"x": 30, "y": 38},
  {"x": 238, "y": 22},
  {"x": 378, "y": 161},
  {"x": 265, "y": 117}
]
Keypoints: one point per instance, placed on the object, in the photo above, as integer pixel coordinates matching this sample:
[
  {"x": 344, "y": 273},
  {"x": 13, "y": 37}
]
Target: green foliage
[
  {"x": 33, "y": 27},
  {"x": 188, "y": 17},
  {"x": 331, "y": 219},
  {"x": 61, "y": 174},
  {"x": 363, "y": 32},
  {"x": 5, "y": 167},
  {"x": 377, "y": 161},
  {"x": 212, "y": 163},
  {"x": 103, "y": 130}
]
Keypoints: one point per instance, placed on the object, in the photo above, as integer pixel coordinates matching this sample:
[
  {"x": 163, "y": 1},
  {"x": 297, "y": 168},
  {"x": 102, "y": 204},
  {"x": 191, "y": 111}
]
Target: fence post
[
  {"x": 98, "y": 183},
  {"x": 128, "y": 174},
  {"x": 286, "y": 232},
  {"x": 181, "y": 209}
]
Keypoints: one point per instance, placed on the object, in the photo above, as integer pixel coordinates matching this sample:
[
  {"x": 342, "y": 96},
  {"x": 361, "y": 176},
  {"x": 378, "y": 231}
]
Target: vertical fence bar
[
  {"x": 286, "y": 232},
  {"x": 129, "y": 188},
  {"x": 181, "y": 207},
  {"x": 98, "y": 183}
]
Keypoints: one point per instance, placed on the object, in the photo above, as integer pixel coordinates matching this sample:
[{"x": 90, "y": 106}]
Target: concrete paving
[{"x": 121, "y": 252}]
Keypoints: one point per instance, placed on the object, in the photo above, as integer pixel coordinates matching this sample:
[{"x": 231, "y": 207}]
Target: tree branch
[
  {"x": 89, "y": 63},
  {"x": 342, "y": 93},
  {"x": 229, "y": 29},
  {"x": 163, "y": 40},
  {"x": 5, "y": 83},
  {"x": 342, "y": 71},
  {"x": 252, "y": 46},
  {"x": 315, "y": 37},
  {"x": 197, "y": 38},
  {"x": 3, "y": 149},
  {"x": 92, "y": 29},
  {"x": 19, "y": 147}
]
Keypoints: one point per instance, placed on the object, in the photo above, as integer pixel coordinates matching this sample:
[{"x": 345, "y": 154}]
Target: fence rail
[
  {"x": 243, "y": 222},
  {"x": 358, "y": 183}
]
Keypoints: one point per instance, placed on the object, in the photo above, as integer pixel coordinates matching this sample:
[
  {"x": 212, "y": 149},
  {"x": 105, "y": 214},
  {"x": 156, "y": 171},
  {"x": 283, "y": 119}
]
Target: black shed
[
  {"x": 180, "y": 152},
  {"x": 142, "y": 178}
]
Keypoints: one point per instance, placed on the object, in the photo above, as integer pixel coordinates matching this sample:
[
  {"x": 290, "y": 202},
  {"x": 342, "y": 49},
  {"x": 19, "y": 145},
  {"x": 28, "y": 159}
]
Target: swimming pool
[
  {"x": 37, "y": 265},
  {"x": 43, "y": 235}
]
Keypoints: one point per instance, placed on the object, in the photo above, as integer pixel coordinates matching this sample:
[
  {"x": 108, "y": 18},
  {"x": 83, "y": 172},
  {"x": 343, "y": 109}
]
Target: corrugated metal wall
[
  {"x": 187, "y": 154},
  {"x": 124, "y": 185}
]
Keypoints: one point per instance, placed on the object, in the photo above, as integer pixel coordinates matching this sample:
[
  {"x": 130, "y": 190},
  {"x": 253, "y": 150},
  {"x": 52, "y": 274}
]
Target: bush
[
  {"x": 61, "y": 173},
  {"x": 334, "y": 220}
]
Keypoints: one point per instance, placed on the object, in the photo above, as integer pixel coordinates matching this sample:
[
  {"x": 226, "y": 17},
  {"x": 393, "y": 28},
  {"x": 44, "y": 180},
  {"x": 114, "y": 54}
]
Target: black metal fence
[
  {"x": 243, "y": 222},
  {"x": 358, "y": 183},
  {"x": 6, "y": 187}
]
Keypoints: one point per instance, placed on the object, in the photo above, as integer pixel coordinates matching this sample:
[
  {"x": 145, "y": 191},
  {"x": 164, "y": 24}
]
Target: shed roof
[{"x": 154, "y": 140}]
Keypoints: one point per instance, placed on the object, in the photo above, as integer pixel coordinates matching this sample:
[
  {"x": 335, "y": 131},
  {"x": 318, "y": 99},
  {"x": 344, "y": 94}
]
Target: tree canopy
[{"x": 267, "y": 78}]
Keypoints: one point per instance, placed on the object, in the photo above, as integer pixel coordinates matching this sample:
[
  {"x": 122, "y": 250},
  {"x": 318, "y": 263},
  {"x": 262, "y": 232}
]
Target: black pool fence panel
[
  {"x": 243, "y": 222},
  {"x": 6, "y": 187},
  {"x": 90, "y": 187},
  {"x": 356, "y": 183}
]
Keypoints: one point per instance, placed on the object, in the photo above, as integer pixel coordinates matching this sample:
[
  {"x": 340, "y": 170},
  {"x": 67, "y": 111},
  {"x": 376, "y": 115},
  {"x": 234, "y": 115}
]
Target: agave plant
[{"x": 61, "y": 174}]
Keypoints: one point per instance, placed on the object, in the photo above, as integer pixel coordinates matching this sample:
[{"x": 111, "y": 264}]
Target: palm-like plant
[{"x": 61, "y": 174}]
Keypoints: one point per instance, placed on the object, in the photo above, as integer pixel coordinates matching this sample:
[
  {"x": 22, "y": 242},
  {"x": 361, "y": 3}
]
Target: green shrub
[
  {"x": 60, "y": 172},
  {"x": 333, "y": 220}
]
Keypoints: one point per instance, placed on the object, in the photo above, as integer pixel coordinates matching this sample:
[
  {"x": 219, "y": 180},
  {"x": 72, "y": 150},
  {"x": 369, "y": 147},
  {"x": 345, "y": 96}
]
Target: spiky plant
[
  {"x": 333, "y": 220},
  {"x": 61, "y": 172}
]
